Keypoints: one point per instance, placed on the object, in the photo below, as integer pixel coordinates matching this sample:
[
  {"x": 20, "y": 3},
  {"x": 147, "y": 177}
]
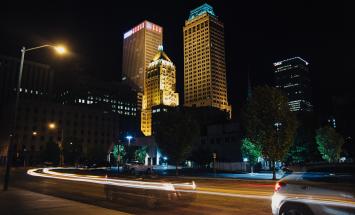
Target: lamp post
[
  {"x": 278, "y": 126},
  {"x": 129, "y": 137},
  {"x": 58, "y": 49},
  {"x": 214, "y": 163}
]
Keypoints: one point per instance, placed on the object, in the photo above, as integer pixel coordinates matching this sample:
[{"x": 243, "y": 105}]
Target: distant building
[
  {"x": 292, "y": 76},
  {"x": 139, "y": 47},
  {"x": 224, "y": 140},
  {"x": 113, "y": 97},
  {"x": 205, "y": 83},
  {"x": 37, "y": 80},
  {"x": 84, "y": 126},
  {"x": 159, "y": 89},
  {"x": 110, "y": 96}
]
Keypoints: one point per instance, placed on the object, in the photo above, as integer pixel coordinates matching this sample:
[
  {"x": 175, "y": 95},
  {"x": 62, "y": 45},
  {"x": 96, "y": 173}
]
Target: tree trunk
[
  {"x": 176, "y": 170},
  {"x": 273, "y": 171}
]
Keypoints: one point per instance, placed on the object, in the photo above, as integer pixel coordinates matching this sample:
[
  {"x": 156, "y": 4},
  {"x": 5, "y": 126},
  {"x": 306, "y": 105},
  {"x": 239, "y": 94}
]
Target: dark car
[{"x": 322, "y": 189}]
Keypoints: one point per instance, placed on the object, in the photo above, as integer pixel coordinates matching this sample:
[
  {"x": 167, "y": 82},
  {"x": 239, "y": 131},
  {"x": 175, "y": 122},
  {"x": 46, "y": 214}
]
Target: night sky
[{"x": 256, "y": 35}]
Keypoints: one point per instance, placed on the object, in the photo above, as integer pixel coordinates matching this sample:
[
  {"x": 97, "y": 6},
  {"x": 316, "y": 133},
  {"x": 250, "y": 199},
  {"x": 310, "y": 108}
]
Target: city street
[{"x": 212, "y": 196}]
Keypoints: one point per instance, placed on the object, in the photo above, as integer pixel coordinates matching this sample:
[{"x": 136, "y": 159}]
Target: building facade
[
  {"x": 205, "y": 81},
  {"x": 292, "y": 76},
  {"x": 139, "y": 47},
  {"x": 110, "y": 96},
  {"x": 37, "y": 79},
  {"x": 116, "y": 98},
  {"x": 159, "y": 89},
  {"x": 84, "y": 126}
]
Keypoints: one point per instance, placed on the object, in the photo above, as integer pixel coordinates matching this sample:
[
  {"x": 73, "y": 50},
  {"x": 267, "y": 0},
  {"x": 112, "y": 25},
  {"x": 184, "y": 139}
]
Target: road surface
[{"x": 212, "y": 196}]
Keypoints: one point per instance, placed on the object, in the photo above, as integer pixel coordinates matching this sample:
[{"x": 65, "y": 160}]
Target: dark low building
[
  {"x": 37, "y": 80},
  {"x": 83, "y": 126},
  {"x": 224, "y": 140},
  {"x": 114, "y": 97}
]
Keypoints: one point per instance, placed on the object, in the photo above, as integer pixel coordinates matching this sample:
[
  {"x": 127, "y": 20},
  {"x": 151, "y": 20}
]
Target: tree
[
  {"x": 96, "y": 154},
  {"x": 329, "y": 143},
  {"x": 202, "y": 155},
  {"x": 175, "y": 134},
  {"x": 72, "y": 150},
  {"x": 268, "y": 122},
  {"x": 119, "y": 151},
  {"x": 250, "y": 151},
  {"x": 141, "y": 153},
  {"x": 51, "y": 152}
]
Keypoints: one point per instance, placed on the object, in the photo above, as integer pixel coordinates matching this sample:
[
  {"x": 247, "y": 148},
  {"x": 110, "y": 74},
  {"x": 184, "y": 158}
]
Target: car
[
  {"x": 321, "y": 189},
  {"x": 150, "y": 194},
  {"x": 135, "y": 167}
]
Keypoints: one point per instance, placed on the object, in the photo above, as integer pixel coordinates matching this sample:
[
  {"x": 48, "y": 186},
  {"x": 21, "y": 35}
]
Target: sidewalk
[{"x": 18, "y": 202}]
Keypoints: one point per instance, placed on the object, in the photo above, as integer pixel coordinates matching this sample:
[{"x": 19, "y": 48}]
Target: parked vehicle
[
  {"x": 135, "y": 167},
  {"x": 323, "y": 189}
]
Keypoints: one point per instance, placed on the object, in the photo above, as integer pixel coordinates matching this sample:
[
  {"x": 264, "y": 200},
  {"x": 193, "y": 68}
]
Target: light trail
[
  {"x": 179, "y": 187},
  {"x": 47, "y": 173}
]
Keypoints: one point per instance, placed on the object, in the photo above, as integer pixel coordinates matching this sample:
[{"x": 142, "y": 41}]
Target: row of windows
[
  {"x": 219, "y": 140},
  {"x": 196, "y": 28}
]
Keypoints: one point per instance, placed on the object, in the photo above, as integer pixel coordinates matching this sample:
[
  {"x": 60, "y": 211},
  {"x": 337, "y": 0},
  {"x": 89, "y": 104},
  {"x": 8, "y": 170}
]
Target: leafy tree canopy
[
  {"x": 329, "y": 143},
  {"x": 175, "y": 134}
]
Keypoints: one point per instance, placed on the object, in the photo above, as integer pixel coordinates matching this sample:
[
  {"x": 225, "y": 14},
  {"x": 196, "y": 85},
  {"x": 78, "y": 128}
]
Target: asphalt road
[{"x": 211, "y": 197}]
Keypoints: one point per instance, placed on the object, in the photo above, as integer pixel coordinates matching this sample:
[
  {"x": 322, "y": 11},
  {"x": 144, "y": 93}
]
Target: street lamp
[
  {"x": 278, "y": 126},
  {"x": 129, "y": 137},
  {"x": 60, "y": 50}
]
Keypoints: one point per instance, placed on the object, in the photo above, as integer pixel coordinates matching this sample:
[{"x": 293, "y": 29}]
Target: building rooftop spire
[
  {"x": 161, "y": 54},
  {"x": 205, "y": 8}
]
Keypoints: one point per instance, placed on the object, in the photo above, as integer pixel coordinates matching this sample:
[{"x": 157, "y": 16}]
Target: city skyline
[{"x": 253, "y": 41}]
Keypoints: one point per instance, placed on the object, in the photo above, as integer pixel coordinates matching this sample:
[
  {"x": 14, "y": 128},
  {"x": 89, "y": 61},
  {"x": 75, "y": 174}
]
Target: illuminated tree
[
  {"x": 119, "y": 150},
  {"x": 329, "y": 143},
  {"x": 250, "y": 151},
  {"x": 175, "y": 134},
  {"x": 141, "y": 153},
  {"x": 268, "y": 122}
]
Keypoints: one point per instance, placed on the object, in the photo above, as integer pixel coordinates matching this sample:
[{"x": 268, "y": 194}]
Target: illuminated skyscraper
[
  {"x": 204, "y": 60},
  {"x": 139, "y": 47},
  {"x": 292, "y": 76},
  {"x": 159, "y": 89}
]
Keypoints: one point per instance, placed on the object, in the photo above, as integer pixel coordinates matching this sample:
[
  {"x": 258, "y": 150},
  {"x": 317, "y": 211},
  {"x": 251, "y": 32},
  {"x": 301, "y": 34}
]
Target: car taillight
[{"x": 278, "y": 186}]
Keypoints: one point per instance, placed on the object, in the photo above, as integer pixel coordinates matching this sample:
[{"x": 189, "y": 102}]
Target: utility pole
[{"x": 214, "y": 163}]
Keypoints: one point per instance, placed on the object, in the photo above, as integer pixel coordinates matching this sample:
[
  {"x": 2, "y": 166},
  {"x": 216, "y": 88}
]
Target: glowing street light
[
  {"x": 129, "y": 137},
  {"x": 52, "y": 126},
  {"x": 34, "y": 133},
  {"x": 59, "y": 50}
]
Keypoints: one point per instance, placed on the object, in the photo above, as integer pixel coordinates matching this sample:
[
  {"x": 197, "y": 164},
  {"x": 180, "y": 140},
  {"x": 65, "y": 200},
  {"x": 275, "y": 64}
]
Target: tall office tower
[
  {"x": 204, "y": 60},
  {"x": 159, "y": 89},
  {"x": 139, "y": 47},
  {"x": 292, "y": 76}
]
